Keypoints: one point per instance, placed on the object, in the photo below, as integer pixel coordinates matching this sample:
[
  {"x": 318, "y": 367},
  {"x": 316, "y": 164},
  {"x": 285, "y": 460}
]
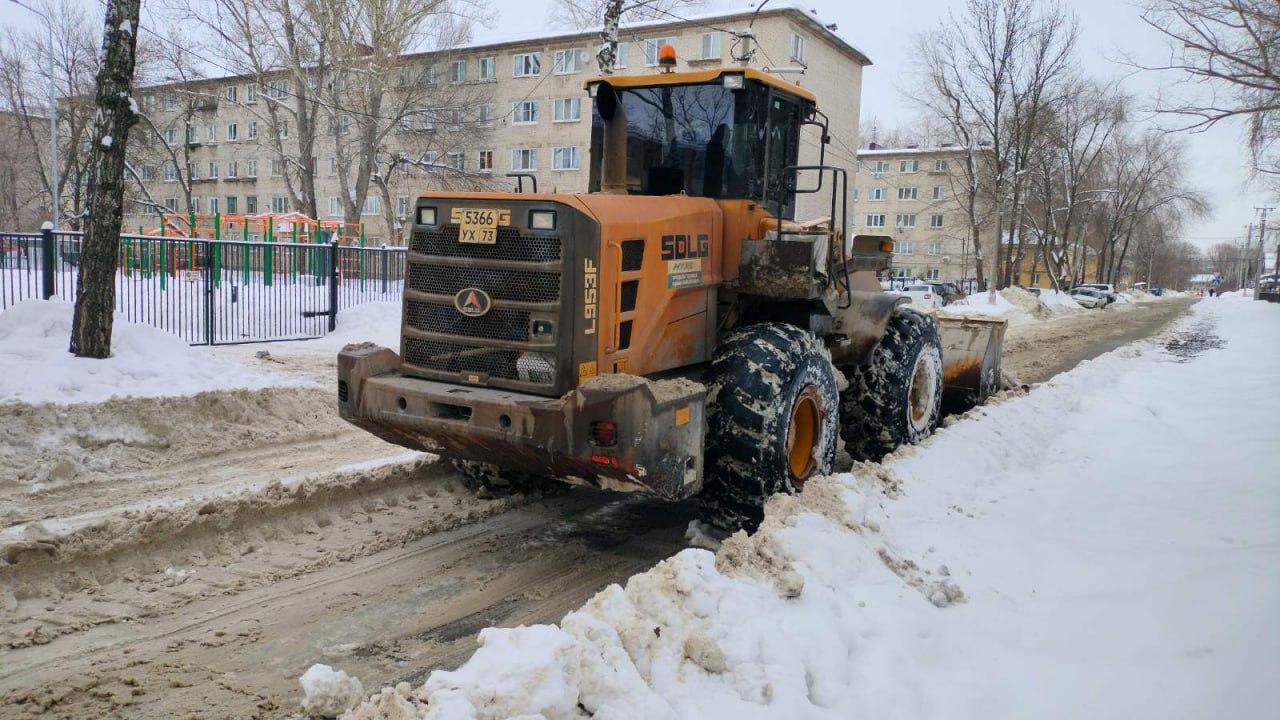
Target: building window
[
  {"x": 875, "y": 194},
  {"x": 488, "y": 69},
  {"x": 569, "y": 62},
  {"x": 935, "y": 248},
  {"x": 620, "y": 61},
  {"x": 564, "y": 158},
  {"x": 932, "y": 274},
  {"x": 233, "y": 205},
  {"x": 940, "y": 165},
  {"x": 279, "y": 204},
  {"x": 335, "y": 207},
  {"x": 457, "y": 118},
  {"x": 233, "y": 169},
  {"x": 170, "y": 172},
  {"x": 277, "y": 167},
  {"x": 192, "y": 174},
  {"x": 431, "y": 74},
  {"x": 251, "y": 170},
  {"x": 879, "y": 167},
  {"x": 213, "y": 205},
  {"x": 372, "y": 205},
  {"x": 901, "y": 273},
  {"x": 213, "y": 169},
  {"x": 170, "y": 136},
  {"x": 253, "y": 130},
  {"x": 908, "y": 166},
  {"x": 195, "y": 204},
  {"x": 251, "y": 94},
  {"x": 402, "y": 206},
  {"x": 526, "y": 65},
  {"x": 170, "y": 103},
  {"x": 284, "y": 130},
  {"x": 901, "y": 247},
  {"x": 171, "y": 204},
  {"x": 458, "y": 71},
  {"x": 935, "y": 221},
  {"x": 485, "y": 161},
  {"x": 875, "y": 221},
  {"x": 211, "y": 133},
  {"x": 148, "y": 172},
  {"x": 797, "y": 47},
  {"x": 1035, "y": 279},
  {"x": 939, "y": 192},
  {"x": 905, "y": 220},
  {"x": 427, "y": 120},
  {"x": 487, "y": 112},
  {"x": 456, "y": 160},
  {"x": 710, "y": 44},
  {"x": 524, "y": 159},
  {"x": 568, "y": 109},
  {"x": 524, "y": 112},
  {"x": 278, "y": 89},
  {"x": 906, "y": 193},
  {"x": 251, "y": 204},
  {"x": 193, "y": 135},
  {"x": 231, "y": 93},
  {"x": 651, "y": 47}
]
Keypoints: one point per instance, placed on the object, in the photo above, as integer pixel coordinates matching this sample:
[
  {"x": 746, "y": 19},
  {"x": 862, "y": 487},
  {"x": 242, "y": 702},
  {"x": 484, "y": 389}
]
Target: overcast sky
[{"x": 883, "y": 30}]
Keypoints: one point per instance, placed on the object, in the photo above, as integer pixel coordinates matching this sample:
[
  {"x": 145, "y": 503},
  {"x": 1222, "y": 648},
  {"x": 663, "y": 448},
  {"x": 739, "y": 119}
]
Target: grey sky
[{"x": 883, "y": 31}]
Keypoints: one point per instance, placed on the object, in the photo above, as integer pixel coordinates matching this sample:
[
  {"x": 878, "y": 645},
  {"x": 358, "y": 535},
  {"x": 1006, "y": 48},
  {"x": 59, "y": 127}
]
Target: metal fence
[{"x": 211, "y": 292}]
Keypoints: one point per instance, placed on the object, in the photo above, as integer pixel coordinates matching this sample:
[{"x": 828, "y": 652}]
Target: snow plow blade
[{"x": 971, "y": 348}]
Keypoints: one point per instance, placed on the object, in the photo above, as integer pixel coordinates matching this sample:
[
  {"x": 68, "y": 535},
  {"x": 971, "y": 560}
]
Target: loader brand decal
[
  {"x": 590, "y": 295},
  {"x": 472, "y": 302},
  {"x": 684, "y": 259}
]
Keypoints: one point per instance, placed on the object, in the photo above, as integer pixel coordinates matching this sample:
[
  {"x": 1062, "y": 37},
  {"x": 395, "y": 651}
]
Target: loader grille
[
  {"x": 514, "y": 285},
  {"x": 497, "y": 324},
  {"x": 455, "y": 357},
  {"x": 511, "y": 245}
]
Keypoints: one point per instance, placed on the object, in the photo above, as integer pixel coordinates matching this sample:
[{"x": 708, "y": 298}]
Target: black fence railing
[{"x": 211, "y": 291}]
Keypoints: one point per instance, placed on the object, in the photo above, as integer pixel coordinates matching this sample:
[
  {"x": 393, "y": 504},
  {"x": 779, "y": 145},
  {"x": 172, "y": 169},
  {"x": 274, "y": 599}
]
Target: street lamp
[{"x": 53, "y": 118}]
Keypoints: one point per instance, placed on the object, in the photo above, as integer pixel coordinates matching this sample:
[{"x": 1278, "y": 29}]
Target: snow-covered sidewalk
[{"x": 1106, "y": 547}]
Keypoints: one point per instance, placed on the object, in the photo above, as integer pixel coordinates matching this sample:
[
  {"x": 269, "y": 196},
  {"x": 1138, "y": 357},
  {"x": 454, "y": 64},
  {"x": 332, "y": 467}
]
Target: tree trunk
[{"x": 95, "y": 300}]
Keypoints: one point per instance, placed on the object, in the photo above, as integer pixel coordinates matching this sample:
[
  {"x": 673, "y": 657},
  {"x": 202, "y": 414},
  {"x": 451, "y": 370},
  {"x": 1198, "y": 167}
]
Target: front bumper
[{"x": 658, "y": 438}]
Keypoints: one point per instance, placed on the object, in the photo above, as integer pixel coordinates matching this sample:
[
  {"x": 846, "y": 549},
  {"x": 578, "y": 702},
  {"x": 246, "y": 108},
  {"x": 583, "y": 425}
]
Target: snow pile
[
  {"x": 1026, "y": 302},
  {"x": 1059, "y": 303},
  {"x": 377, "y": 322},
  {"x": 328, "y": 693},
  {"x": 1097, "y": 581},
  {"x": 144, "y": 362},
  {"x": 986, "y": 305}
]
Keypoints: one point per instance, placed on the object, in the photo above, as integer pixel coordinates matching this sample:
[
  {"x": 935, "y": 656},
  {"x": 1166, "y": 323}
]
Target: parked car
[
  {"x": 1089, "y": 297},
  {"x": 921, "y": 295},
  {"x": 1157, "y": 291},
  {"x": 1105, "y": 289},
  {"x": 949, "y": 292}
]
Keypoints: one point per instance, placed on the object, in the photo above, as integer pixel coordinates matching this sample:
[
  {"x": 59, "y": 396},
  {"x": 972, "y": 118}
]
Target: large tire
[
  {"x": 772, "y": 420},
  {"x": 895, "y": 397}
]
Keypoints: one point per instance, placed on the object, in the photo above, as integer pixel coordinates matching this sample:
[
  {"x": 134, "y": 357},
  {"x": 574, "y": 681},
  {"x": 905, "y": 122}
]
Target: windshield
[{"x": 705, "y": 140}]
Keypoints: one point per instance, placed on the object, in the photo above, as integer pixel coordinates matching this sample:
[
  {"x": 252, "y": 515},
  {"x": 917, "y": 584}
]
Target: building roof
[
  {"x": 710, "y": 20},
  {"x": 929, "y": 150}
]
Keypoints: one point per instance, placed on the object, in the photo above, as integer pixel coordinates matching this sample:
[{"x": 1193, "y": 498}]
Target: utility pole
[
  {"x": 1244, "y": 268},
  {"x": 1262, "y": 243}
]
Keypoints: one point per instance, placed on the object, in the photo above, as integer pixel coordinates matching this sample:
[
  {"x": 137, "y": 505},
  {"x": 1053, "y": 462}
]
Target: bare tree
[
  {"x": 1229, "y": 50},
  {"x": 116, "y": 114},
  {"x": 582, "y": 14},
  {"x": 992, "y": 73},
  {"x": 60, "y": 57}
]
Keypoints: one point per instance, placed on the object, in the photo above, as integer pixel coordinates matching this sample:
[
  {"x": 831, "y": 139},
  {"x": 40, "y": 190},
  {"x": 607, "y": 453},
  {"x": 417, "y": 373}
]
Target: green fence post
[
  {"x": 164, "y": 260},
  {"x": 293, "y": 255},
  {"x": 191, "y": 247},
  {"x": 244, "y": 254},
  {"x": 217, "y": 249},
  {"x": 267, "y": 260}
]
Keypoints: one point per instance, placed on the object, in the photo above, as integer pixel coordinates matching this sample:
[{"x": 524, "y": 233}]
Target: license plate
[{"x": 479, "y": 225}]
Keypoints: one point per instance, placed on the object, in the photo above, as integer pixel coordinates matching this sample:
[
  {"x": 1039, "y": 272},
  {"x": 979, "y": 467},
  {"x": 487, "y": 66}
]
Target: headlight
[
  {"x": 542, "y": 219},
  {"x": 426, "y": 216},
  {"x": 733, "y": 81},
  {"x": 536, "y": 368}
]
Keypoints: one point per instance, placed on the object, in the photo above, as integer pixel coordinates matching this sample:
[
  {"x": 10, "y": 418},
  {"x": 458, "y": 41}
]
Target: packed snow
[
  {"x": 144, "y": 362},
  {"x": 327, "y": 692},
  {"x": 1104, "y": 546}
]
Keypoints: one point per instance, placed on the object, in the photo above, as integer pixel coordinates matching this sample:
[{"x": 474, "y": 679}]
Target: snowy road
[
  {"x": 385, "y": 572},
  {"x": 1104, "y": 547}
]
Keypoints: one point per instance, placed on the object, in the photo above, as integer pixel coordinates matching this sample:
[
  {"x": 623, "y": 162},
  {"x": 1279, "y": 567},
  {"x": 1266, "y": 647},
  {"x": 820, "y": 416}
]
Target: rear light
[
  {"x": 928, "y": 295},
  {"x": 604, "y": 433}
]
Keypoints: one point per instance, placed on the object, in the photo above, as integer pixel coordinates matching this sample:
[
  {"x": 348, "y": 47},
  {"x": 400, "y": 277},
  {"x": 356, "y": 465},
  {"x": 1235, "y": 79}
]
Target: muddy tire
[
  {"x": 895, "y": 397},
  {"x": 489, "y": 481},
  {"x": 772, "y": 405}
]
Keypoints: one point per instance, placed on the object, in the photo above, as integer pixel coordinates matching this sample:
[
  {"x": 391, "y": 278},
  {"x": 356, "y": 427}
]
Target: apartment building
[
  {"x": 917, "y": 195},
  {"x": 510, "y": 106}
]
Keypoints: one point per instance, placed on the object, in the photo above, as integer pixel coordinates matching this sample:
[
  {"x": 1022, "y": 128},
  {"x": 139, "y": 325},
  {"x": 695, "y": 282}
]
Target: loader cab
[{"x": 724, "y": 133}]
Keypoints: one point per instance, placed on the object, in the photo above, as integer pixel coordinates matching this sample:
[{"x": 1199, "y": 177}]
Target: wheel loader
[{"x": 673, "y": 331}]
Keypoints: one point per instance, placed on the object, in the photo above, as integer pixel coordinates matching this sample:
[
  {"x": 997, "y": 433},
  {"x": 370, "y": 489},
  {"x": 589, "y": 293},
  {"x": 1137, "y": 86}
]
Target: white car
[
  {"x": 1089, "y": 297},
  {"x": 921, "y": 295}
]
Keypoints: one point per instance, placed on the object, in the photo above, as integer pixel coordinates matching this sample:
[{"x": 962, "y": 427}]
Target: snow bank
[
  {"x": 329, "y": 693},
  {"x": 144, "y": 362},
  {"x": 1059, "y": 303},
  {"x": 986, "y": 305},
  {"x": 1113, "y": 532}
]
